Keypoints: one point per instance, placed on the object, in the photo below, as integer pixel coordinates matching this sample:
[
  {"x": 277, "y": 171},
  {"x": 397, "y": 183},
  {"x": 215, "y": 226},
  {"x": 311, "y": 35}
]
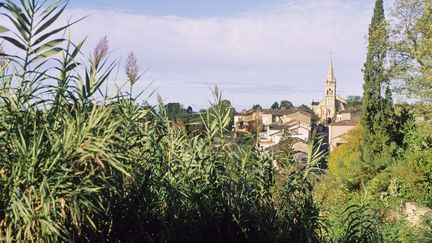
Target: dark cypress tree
[
  {"x": 275, "y": 106},
  {"x": 376, "y": 110}
]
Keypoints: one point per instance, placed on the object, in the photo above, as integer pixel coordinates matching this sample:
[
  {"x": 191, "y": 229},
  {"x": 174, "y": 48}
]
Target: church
[{"x": 331, "y": 105}]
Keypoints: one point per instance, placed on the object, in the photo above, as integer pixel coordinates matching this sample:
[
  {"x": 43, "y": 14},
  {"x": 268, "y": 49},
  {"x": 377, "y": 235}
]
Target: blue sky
[
  {"x": 257, "y": 52},
  {"x": 186, "y": 8}
]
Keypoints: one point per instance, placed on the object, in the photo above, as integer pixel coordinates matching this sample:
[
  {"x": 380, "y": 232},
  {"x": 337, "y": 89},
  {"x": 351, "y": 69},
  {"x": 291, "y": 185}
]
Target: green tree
[
  {"x": 285, "y": 104},
  {"x": 275, "y": 106},
  {"x": 353, "y": 101},
  {"x": 305, "y": 108},
  {"x": 257, "y": 106},
  {"x": 286, "y": 150},
  {"x": 176, "y": 110},
  {"x": 412, "y": 46},
  {"x": 376, "y": 114},
  {"x": 343, "y": 162}
]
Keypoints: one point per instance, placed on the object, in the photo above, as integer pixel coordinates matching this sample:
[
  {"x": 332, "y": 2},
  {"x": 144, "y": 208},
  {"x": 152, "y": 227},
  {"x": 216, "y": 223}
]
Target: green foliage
[
  {"x": 411, "y": 47},
  {"x": 285, "y": 104},
  {"x": 417, "y": 157},
  {"x": 286, "y": 146},
  {"x": 411, "y": 54},
  {"x": 297, "y": 195},
  {"x": 305, "y": 108},
  {"x": 275, "y": 106},
  {"x": 361, "y": 225},
  {"x": 344, "y": 161},
  {"x": 376, "y": 117},
  {"x": 400, "y": 231},
  {"x": 79, "y": 164},
  {"x": 58, "y": 164},
  {"x": 176, "y": 110},
  {"x": 257, "y": 106},
  {"x": 391, "y": 157},
  {"x": 354, "y": 101}
]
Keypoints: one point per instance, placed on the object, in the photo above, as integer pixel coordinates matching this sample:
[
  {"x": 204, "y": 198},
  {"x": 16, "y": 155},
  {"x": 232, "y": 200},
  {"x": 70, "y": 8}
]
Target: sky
[{"x": 255, "y": 51}]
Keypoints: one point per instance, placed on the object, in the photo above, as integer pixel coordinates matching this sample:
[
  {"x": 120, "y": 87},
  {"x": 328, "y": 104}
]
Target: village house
[
  {"x": 271, "y": 125},
  {"x": 349, "y": 114}
]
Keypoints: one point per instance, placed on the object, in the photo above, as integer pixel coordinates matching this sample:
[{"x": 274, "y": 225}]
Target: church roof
[
  {"x": 330, "y": 72},
  {"x": 341, "y": 99}
]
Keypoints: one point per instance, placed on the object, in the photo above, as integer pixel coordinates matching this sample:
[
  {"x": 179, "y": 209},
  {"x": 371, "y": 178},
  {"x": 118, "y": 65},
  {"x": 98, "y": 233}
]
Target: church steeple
[
  {"x": 328, "y": 108},
  {"x": 330, "y": 73},
  {"x": 330, "y": 93}
]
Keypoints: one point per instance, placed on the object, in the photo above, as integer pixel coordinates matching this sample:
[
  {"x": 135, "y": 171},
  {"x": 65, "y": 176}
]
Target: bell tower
[{"x": 330, "y": 94}]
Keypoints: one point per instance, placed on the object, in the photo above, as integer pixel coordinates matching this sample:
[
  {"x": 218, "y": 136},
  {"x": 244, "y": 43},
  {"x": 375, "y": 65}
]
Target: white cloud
[{"x": 261, "y": 56}]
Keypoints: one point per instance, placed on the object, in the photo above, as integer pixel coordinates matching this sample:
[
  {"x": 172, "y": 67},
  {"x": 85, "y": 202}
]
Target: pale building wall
[
  {"x": 299, "y": 116},
  {"x": 272, "y": 136},
  {"x": 266, "y": 119},
  {"x": 336, "y": 134},
  {"x": 237, "y": 119},
  {"x": 300, "y": 147},
  {"x": 302, "y": 133},
  {"x": 343, "y": 116}
]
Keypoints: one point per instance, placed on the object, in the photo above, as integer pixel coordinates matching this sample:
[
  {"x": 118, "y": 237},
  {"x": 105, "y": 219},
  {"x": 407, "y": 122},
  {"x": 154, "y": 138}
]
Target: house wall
[
  {"x": 254, "y": 116},
  {"x": 336, "y": 135},
  {"x": 343, "y": 116},
  {"x": 301, "y": 132},
  {"x": 300, "y": 147},
  {"x": 267, "y": 119},
  {"x": 299, "y": 116}
]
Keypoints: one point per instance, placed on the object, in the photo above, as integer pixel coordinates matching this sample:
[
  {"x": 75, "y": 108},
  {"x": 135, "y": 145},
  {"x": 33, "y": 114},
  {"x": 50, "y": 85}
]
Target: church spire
[{"x": 330, "y": 73}]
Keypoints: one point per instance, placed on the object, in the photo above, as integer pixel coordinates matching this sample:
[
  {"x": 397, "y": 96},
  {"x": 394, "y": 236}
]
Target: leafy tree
[
  {"x": 344, "y": 160},
  {"x": 257, "y": 106},
  {"x": 412, "y": 46},
  {"x": 275, "y": 106},
  {"x": 376, "y": 115},
  {"x": 286, "y": 150},
  {"x": 305, "y": 108},
  {"x": 354, "y": 101},
  {"x": 416, "y": 159},
  {"x": 285, "y": 104},
  {"x": 176, "y": 110}
]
